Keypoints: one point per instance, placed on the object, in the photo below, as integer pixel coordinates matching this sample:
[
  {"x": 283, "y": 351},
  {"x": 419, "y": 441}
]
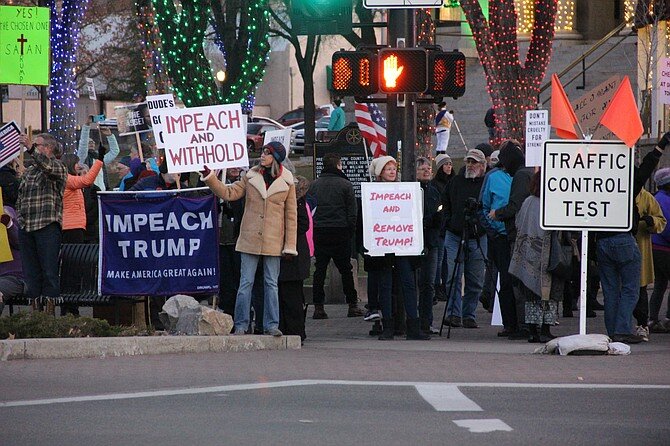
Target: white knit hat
[{"x": 377, "y": 165}]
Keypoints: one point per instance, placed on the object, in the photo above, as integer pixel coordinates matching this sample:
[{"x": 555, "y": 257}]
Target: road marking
[
  {"x": 484, "y": 426},
  {"x": 447, "y": 398},
  {"x": 312, "y": 382}
]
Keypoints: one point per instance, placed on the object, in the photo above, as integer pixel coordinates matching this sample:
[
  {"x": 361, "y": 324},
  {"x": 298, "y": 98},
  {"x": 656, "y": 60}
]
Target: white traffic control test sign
[{"x": 587, "y": 186}]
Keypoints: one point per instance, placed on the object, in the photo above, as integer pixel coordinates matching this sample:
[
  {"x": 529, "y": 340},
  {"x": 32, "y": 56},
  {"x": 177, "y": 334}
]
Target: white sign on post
[
  {"x": 90, "y": 87},
  {"x": 213, "y": 136},
  {"x": 283, "y": 136},
  {"x": 155, "y": 104},
  {"x": 392, "y": 218},
  {"x": 537, "y": 132},
  {"x": 402, "y": 4},
  {"x": 664, "y": 80},
  {"x": 587, "y": 185}
]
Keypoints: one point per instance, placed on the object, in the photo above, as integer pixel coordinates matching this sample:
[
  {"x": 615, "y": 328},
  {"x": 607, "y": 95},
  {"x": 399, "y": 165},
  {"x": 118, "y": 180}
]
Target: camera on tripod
[{"x": 471, "y": 210}]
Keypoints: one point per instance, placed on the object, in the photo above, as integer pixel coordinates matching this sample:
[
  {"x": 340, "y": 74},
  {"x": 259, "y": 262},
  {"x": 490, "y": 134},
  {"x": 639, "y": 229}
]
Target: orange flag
[
  {"x": 563, "y": 117},
  {"x": 622, "y": 116}
]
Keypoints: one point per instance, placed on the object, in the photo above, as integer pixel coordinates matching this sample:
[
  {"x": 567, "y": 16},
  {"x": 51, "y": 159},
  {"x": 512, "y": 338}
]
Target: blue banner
[{"x": 158, "y": 245}]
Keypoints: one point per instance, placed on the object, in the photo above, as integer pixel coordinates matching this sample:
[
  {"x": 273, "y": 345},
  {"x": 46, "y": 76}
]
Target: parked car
[
  {"x": 298, "y": 138},
  {"x": 263, "y": 120},
  {"x": 256, "y": 134},
  {"x": 297, "y": 115}
]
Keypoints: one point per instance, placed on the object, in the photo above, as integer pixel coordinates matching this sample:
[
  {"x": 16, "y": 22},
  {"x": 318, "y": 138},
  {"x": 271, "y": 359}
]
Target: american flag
[
  {"x": 372, "y": 123},
  {"x": 10, "y": 147}
]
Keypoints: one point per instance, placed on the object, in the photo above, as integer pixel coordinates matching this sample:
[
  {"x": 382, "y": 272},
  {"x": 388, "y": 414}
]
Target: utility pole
[{"x": 401, "y": 108}]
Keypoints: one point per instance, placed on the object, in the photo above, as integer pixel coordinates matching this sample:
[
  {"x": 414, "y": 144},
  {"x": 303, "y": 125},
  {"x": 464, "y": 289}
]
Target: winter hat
[
  {"x": 476, "y": 155},
  {"x": 485, "y": 148},
  {"x": 511, "y": 156},
  {"x": 377, "y": 164},
  {"x": 662, "y": 176},
  {"x": 494, "y": 157},
  {"x": 136, "y": 167},
  {"x": 125, "y": 161},
  {"x": 277, "y": 150},
  {"x": 441, "y": 160}
]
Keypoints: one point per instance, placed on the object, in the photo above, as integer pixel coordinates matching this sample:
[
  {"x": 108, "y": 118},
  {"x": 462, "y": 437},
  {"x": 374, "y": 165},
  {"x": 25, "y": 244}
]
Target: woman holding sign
[
  {"x": 267, "y": 232},
  {"x": 380, "y": 272}
]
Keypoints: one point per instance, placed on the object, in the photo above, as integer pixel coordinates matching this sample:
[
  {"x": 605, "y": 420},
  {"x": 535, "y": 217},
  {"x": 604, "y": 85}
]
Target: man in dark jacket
[
  {"x": 460, "y": 207},
  {"x": 334, "y": 225},
  {"x": 432, "y": 222}
]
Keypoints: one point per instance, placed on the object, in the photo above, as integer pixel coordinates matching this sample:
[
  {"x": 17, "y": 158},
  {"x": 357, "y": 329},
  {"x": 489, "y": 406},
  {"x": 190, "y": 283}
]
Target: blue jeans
[
  {"x": 472, "y": 259},
  {"x": 39, "y": 257},
  {"x": 380, "y": 285},
  {"x": 408, "y": 284},
  {"x": 619, "y": 263},
  {"x": 427, "y": 273},
  {"x": 249, "y": 262}
]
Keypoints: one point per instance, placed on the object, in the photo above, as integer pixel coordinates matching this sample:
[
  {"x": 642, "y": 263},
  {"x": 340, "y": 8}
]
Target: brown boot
[
  {"x": 355, "y": 311},
  {"x": 319, "y": 312}
]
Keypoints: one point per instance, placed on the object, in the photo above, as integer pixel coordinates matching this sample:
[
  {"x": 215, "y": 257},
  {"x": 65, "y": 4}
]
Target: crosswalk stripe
[{"x": 447, "y": 398}]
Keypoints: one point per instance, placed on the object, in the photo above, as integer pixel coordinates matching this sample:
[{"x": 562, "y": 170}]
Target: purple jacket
[{"x": 662, "y": 240}]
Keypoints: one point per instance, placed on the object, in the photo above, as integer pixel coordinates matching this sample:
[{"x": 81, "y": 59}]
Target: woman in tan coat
[{"x": 268, "y": 230}]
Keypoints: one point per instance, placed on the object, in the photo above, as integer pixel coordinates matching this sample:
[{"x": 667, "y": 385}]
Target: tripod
[{"x": 461, "y": 257}]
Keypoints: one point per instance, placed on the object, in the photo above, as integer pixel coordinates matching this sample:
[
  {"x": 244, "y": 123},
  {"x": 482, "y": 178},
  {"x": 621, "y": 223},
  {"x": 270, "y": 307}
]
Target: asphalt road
[{"x": 345, "y": 388}]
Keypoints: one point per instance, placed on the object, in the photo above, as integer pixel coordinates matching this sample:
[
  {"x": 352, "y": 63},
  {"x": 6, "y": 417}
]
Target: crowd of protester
[{"x": 481, "y": 225}]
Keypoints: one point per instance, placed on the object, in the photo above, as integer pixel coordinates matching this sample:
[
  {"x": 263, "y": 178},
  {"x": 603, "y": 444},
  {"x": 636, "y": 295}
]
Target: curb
[{"x": 64, "y": 348}]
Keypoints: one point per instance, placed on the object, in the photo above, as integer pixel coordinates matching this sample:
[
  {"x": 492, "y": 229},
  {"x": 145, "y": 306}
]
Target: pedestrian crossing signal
[
  {"x": 446, "y": 74},
  {"x": 403, "y": 70},
  {"x": 355, "y": 73}
]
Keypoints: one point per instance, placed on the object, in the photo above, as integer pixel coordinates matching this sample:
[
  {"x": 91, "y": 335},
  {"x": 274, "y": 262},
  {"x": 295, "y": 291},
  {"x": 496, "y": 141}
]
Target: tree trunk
[
  {"x": 513, "y": 88},
  {"x": 66, "y": 22},
  {"x": 157, "y": 79}
]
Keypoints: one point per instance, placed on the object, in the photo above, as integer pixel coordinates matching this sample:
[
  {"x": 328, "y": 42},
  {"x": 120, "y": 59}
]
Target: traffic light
[
  {"x": 403, "y": 70},
  {"x": 319, "y": 17},
  {"x": 446, "y": 74},
  {"x": 355, "y": 73}
]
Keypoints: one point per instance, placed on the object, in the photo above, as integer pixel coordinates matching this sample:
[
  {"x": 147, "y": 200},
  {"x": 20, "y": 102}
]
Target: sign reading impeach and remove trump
[
  {"x": 212, "y": 136},
  {"x": 587, "y": 186},
  {"x": 24, "y": 45}
]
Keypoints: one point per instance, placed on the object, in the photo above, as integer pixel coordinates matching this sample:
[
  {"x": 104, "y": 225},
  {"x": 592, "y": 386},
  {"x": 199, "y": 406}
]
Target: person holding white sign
[{"x": 268, "y": 230}]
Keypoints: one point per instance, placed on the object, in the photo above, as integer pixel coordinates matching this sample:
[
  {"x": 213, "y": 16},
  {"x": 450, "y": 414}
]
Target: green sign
[{"x": 24, "y": 45}]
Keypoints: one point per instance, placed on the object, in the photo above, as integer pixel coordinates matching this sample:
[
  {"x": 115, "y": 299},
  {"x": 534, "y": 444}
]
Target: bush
[{"x": 25, "y": 325}]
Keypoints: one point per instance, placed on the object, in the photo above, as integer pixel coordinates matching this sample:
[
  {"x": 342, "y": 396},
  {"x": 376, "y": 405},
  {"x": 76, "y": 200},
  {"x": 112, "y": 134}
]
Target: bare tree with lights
[{"x": 513, "y": 86}]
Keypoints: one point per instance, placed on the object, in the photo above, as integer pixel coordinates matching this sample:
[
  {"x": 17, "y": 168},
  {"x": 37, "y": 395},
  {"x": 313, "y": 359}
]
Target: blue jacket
[{"x": 495, "y": 195}]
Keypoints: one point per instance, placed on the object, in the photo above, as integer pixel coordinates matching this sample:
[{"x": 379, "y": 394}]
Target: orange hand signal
[{"x": 391, "y": 71}]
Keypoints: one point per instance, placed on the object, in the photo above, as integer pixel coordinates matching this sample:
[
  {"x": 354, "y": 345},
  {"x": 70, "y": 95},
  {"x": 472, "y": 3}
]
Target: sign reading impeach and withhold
[
  {"x": 212, "y": 136},
  {"x": 587, "y": 185},
  {"x": 392, "y": 218},
  {"x": 158, "y": 246}
]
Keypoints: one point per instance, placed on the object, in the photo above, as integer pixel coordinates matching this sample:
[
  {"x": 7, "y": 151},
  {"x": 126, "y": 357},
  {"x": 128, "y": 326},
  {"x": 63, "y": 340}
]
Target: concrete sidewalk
[{"x": 337, "y": 332}]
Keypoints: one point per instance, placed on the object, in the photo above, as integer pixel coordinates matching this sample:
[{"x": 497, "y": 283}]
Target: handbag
[{"x": 560, "y": 257}]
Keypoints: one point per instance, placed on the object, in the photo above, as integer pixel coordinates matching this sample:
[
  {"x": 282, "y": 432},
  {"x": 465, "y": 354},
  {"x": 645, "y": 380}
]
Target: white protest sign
[
  {"x": 664, "y": 80},
  {"x": 587, "y": 185},
  {"x": 156, "y": 103},
  {"x": 283, "y": 136},
  {"x": 90, "y": 87},
  {"x": 537, "y": 132},
  {"x": 392, "y": 218},
  {"x": 213, "y": 136}
]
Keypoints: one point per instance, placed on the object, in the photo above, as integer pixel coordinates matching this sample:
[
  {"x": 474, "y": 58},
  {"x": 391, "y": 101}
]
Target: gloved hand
[
  {"x": 6, "y": 220},
  {"x": 664, "y": 141},
  {"x": 102, "y": 151},
  {"x": 648, "y": 219},
  {"x": 205, "y": 171}
]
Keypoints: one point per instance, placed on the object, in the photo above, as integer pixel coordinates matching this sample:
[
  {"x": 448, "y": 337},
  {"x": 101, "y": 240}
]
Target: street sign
[
  {"x": 402, "y": 4},
  {"x": 587, "y": 186},
  {"x": 24, "y": 39}
]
